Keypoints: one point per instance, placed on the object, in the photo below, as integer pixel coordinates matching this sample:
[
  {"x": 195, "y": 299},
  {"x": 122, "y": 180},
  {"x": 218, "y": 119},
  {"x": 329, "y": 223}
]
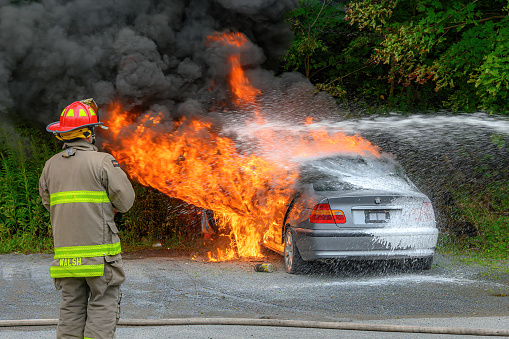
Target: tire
[
  {"x": 420, "y": 264},
  {"x": 294, "y": 263},
  {"x": 425, "y": 263}
]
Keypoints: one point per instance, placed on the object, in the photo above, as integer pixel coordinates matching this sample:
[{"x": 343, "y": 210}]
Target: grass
[
  {"x": 487, "y": 209},
  {"x": 24, "y": 222}
]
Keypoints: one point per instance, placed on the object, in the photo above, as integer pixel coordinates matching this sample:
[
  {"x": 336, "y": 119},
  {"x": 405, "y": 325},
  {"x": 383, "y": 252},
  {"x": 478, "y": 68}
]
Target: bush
[
  {"x": 24, "y": 222},
  {"x": 487, "y": 208},
  {"x": 157, "y": 218}
]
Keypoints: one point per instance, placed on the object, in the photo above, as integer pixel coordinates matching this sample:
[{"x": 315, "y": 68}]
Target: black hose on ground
[{"x": 277, "y": 323}]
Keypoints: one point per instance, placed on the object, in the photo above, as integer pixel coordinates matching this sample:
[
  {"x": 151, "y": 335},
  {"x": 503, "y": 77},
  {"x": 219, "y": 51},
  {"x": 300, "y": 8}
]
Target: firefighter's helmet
[{"x": 79, "y": 114}]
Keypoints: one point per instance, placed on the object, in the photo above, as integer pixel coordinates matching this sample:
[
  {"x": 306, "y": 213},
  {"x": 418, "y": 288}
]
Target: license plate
[{"x": 377, "y": 216}]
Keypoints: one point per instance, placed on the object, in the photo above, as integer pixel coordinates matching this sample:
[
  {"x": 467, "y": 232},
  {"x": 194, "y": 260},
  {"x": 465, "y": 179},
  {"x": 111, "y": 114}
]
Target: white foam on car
[{"x": 368, "y": 173}]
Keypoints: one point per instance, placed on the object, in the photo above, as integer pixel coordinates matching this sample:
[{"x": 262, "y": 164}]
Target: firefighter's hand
[{"x": 118, "y": 218}]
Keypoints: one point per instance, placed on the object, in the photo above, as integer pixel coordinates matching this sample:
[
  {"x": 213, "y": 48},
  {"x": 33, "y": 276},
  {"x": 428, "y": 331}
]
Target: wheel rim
[{"x": 288, "y": 251}]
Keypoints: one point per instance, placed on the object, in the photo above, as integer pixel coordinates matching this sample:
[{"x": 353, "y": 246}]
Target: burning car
[{"x": 355, "y": 208}]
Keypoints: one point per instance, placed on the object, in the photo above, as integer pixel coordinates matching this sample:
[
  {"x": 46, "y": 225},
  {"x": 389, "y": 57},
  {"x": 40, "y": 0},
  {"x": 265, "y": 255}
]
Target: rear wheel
[
  {"x": 420, "y": 264},
  {"x": 294, "y": 263},
  {"x": 425, "y": 263}
]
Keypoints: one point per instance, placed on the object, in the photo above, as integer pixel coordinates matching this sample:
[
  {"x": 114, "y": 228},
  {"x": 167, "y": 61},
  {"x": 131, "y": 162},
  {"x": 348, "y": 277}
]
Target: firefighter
[{"x": 83, "y": 189}]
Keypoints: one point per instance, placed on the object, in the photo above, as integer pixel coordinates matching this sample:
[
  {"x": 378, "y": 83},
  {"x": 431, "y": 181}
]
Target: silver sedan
[{"x": 355, "y": 208}]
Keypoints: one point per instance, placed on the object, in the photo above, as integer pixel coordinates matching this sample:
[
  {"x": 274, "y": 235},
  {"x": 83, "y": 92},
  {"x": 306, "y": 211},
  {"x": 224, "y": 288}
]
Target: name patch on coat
[
  {"x": 70, "y": 262},
  {"x": 115, "y": 163}
]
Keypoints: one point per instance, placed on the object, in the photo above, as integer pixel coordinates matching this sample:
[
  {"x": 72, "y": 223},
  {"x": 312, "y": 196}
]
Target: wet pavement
[{"x": 165, "y": 285}]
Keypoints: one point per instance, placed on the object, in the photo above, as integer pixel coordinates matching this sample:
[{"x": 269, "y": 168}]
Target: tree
[
  {"x": 318, "y": 26},
  {"x": 336, "y": 57},
  {"x": 460, "y": 45}
]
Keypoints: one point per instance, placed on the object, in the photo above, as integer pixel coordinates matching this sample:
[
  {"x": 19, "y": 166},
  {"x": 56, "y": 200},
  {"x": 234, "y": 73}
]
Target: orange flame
[
  {"x": 188, "y": 160},
  {"x": 245, "y": 93}
]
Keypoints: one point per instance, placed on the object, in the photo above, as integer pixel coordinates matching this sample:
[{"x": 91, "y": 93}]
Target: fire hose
[{"x": 277, "y": 323}]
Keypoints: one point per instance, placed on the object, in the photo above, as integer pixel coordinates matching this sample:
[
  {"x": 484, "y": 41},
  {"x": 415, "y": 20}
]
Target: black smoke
[{"x": 140, "y": 53}]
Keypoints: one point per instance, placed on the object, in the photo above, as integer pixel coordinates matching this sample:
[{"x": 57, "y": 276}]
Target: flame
[
  {"x": 245, "y": 93},
  {"x": 311, "y": 142},
  {"x": 222, "y": 255},
  {"x": 189, "y": 160},
  {"x": 240, "y": 85}
]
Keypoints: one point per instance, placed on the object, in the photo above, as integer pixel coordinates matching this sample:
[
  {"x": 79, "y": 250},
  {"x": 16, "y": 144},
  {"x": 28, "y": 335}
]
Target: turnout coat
[{"x": 83, "y": 188}]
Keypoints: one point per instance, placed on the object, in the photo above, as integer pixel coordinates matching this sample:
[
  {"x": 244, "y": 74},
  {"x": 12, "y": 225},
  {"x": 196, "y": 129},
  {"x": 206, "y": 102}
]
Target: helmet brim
[{"x": 56, "y": 128}]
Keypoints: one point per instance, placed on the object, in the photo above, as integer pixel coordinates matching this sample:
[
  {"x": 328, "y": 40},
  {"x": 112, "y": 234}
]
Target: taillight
[
  {"x": 427, "y": 212},
  {"x": 339, "y": 216},
  {"x": 322, "y": 214},
  {"x": 423, "y": 214}
]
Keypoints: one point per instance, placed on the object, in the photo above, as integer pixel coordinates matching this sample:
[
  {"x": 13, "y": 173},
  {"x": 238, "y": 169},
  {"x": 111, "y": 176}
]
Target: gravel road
[{"x": 163, "y": 284}]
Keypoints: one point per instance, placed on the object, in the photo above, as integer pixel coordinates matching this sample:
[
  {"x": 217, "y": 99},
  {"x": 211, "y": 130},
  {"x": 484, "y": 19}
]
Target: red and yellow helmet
[{"x": 76, "y": 115}]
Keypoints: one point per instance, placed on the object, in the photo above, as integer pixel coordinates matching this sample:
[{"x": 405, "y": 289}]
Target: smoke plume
[{"x": 140, "y": 53}]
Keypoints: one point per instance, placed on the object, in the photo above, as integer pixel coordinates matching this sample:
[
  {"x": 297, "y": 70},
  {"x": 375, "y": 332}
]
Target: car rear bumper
[{"x": 369, "y": 244}]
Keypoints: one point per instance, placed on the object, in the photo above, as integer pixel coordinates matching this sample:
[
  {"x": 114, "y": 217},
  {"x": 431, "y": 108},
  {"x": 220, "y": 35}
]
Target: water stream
[{"x": 440, "y": 152}]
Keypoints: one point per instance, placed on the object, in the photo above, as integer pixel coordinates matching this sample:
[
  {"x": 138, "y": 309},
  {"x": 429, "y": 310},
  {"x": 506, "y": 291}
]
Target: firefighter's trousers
[{"x": 90, "y": 307}]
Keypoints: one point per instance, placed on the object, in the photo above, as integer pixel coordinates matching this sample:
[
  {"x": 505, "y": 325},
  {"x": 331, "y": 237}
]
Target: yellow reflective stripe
[
  {"x": 78, "y": 196},
  {"x": 87, "y": 251},
  {"x": 70, "y": 113},
  {"x": 76, "y": 271},
  {"x": 62, "y": 114},
  {"x": 91, "y": 111},
  {"x": 82, "y": 113}
]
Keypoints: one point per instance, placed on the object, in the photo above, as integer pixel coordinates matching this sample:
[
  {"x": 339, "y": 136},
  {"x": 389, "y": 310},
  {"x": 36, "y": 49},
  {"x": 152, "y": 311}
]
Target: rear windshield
[
  {"x": 334, "y": 185},
  {"x": 355, "y": 173}
]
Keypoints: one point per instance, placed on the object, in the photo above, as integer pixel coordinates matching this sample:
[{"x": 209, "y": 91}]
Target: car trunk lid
[{"x": 375, "y": 209}]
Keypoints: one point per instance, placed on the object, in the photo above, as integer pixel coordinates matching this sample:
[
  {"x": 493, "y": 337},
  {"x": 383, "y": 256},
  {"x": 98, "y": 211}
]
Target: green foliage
[
  {"x": 405, "y": 54},
  {"x": 24, "y": 222},
  {"x": 338, "y": 58},
  {"x": 157, "y": 218},
  {"x": 488, "y": 210},
  {"x": 318, "y": 27},
  {"x": 461, "y": 46},
  {"x": 481, "y": 201}
]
